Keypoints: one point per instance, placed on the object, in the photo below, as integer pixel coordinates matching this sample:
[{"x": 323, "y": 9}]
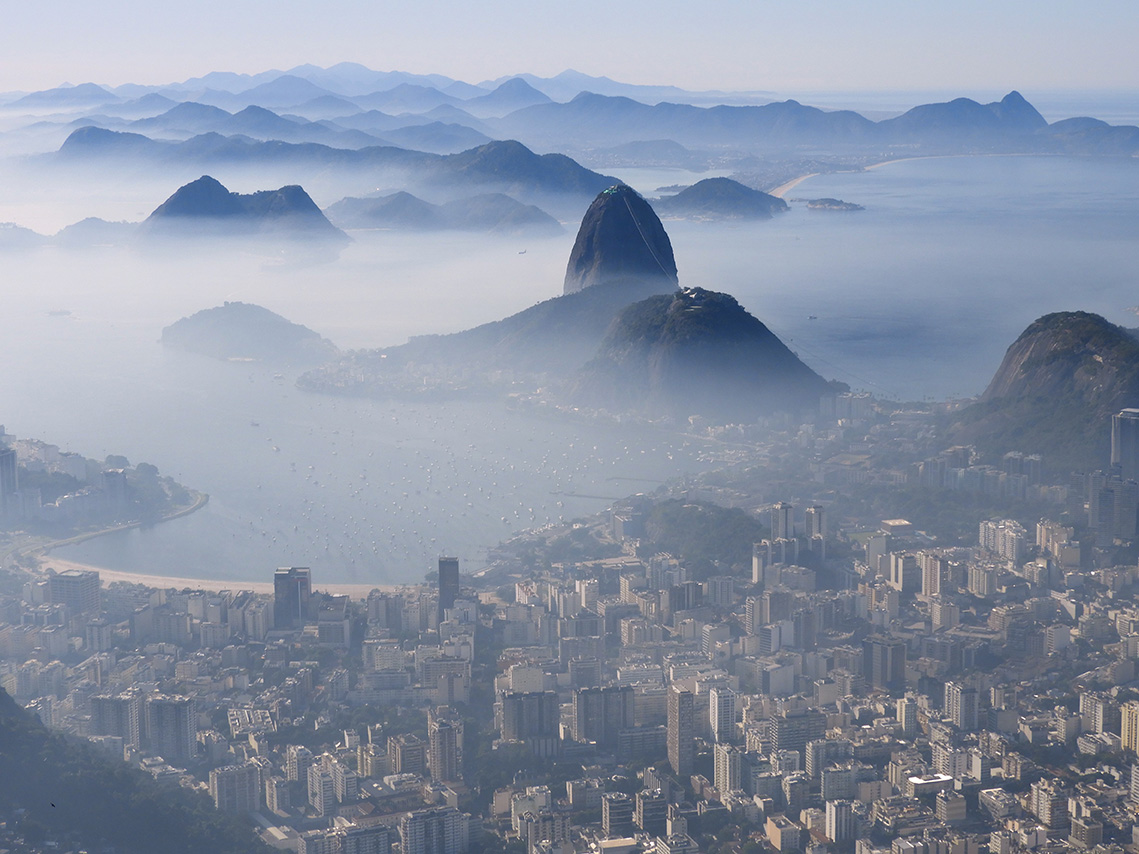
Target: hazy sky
[{"x": 778, "y": 45}]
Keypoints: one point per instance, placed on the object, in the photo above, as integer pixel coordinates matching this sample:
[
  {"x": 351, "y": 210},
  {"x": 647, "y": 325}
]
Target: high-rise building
[
  {"x": 292, "y": 596},
  {"x": 600, "y": 713},
  {"x": 407, "y": 754},
  {"x": 441, "y": 830},
  {"x": 172, "y": 727},
  {"x": 443, "y": 748},
  {"x": 78, "y": 589},
  {"x": 532, "y": 717},
  {"x": 782, "y": 521},
  {"x": 816, "y": 522},
  {"x": 906, "y": 712},
  {"x": 840, "y": 826},
  {"x": 321, "y": 789},
  {"x": 616, "y": 814},
  {"x": 1129, "y": 726},
  {"x": 651, "y": 812},
  {"x": 236, "y": 788},
  {"x": 681, "y": 731},
  {"x": 794, "y": 729},
  {"x": 9, "y": 476},
  {"x": 726, "y": 768},
  {"x": 448, "y": 584},
  {"x": 884, "y": 662},
  {"x": 119, "y": 715},
  {"x": 722, "y": 713},
  {"x": 1125, "y": 443},
  {"x": 961, "y": 706}
]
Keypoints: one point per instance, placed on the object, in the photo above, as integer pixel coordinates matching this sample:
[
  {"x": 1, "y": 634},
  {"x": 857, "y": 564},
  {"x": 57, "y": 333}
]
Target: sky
[{"x": 768, "y": 45}]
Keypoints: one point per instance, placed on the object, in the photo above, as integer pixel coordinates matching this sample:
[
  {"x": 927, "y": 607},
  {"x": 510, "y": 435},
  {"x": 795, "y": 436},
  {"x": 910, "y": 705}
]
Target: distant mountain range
[
  {"x": 492, "y": 212},
  {"x": 571, "y": 112},
  {"x": 506, "y": 167}
]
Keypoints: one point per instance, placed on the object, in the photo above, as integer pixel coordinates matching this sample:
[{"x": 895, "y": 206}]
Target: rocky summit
[{"x": 620, "y": 240}]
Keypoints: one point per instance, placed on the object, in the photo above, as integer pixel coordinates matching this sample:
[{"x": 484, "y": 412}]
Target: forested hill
[{"x": 71, "y": 794}]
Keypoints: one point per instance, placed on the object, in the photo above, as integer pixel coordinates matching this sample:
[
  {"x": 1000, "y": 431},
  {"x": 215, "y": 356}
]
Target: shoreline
[
  {"x": 165, "y": 582},
  {"x": 782, "y": 189}
]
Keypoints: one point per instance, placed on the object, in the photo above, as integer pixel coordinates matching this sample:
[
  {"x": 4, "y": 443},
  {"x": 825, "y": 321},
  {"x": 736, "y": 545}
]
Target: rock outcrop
[{"x": 620, "y": 240}]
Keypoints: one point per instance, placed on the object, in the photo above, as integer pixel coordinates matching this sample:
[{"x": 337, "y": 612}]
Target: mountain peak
[{"x": 620, "y": 238}]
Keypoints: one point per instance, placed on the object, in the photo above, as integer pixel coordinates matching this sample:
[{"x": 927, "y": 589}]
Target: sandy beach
[
  {"x": 783, "y": 189},
  {"x": 162, "y": 582}
]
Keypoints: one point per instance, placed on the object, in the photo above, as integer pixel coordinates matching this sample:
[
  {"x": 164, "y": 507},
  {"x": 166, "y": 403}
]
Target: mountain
[
  {"x": 498, "y": 166},
  {"x": 93, "y": 231},
  {"x": 1055, "y": 392},
  {"x": 190, "y": 119},
  {"x": 239, "y": 331},
  {"x": 514, "y": 94},
  {"x": 205, "y": 207},
  {"x": 720, "y": 198},
  {"x": 405, "y": 98},
  {"x": 695, "y": 352},
  {"x": 620, "y": 239},
  {"x": 62, "y": 794},
  {"x": 963, "y": 119},
  {"x": 437, "y": 137},
  {"x": 399, "y": 210},
  {"x": 501, "y": 214},
  {"x": 494, "y": 212},
  {"x": 564, "y": 86},
  {"x": 83, "y": 95},
  {"x": 592, "y": 120}
]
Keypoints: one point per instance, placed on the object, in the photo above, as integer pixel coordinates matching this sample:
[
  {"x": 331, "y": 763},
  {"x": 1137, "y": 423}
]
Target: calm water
[{"x": 917, "y": 296}]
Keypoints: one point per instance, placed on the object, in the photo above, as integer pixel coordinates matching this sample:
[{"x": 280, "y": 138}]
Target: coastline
[
  {"x": 212, "y": 585},
  {"x": 782, "y": 189},
  {"x": 41, "y": 552}
]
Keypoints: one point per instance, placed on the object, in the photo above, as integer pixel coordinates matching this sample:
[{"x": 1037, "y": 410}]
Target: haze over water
[{"x": 918, "y": 295}]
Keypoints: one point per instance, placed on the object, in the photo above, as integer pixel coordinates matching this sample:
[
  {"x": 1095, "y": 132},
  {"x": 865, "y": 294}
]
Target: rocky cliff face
[
  {"x": 1056, "y": 390},
  {"x": 621, "y": 239},
  {"x": 695, "y": 352}
]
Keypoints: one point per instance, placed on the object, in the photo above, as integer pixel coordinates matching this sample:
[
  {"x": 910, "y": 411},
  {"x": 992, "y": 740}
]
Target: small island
[
  {"x": 832, "y": 205},
  {"x": 238, "y": 331}
]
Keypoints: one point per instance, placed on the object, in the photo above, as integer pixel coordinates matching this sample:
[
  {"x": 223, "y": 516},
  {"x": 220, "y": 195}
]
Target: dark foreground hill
[
  {"x": 72, "y": 795},
  {"x": 1055, "y": 392},
  {"x": 720, "y": 198},
  {"x": 240, "y": 331},
  {"x": 695, "y": 352},
  {"x": 205, "y": 207}
]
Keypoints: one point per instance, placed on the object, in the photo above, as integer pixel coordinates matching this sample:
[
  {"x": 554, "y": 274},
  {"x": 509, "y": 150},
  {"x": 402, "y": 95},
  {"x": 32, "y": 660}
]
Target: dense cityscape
[{"x": 858, "y": 685}]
